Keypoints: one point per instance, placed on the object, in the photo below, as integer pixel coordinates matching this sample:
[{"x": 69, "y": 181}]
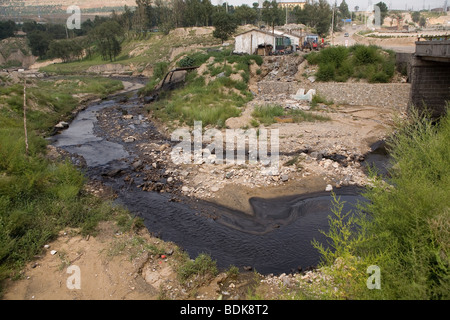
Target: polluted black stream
[{"x": 276, "y": 239}]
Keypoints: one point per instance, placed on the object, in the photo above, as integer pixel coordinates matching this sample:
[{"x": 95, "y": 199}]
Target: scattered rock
[
  {"x": 62, "y": 125},
  {"x": 316, "y": 155},
  {"x": 229, "y": 174},
  {"x": 129, "y": 139},
  {"x": 137, "y": 164},
  {"x": 164, "y": 147}
]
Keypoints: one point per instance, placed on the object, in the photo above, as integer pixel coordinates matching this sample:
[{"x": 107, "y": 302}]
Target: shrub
[
  {"x": 326, "y": 72},
  {"x": 266, "y": 114},
  {"x": 359, "y": 61},
  {"x": 186, "y": 62},
  {"x": 364, "y": 55},
  {"x": 405, "y": 227},
  {"x": 203, "y": 265},
  {"x": 334, "y": 55}
]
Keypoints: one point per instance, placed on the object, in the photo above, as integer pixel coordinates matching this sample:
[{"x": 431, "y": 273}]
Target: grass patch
[
  {"x": 267, "y": 115},
  {"x": 38, "y": 198},
  {"x": 361, "y": 62},
  {"x": 212, "y": 103},
  {"x": 50, "y": 101},
  {"x": 202, "y": 266}
]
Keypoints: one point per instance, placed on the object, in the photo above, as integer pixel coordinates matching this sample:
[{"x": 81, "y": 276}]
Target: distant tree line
[{"x": 104, "y": 35}]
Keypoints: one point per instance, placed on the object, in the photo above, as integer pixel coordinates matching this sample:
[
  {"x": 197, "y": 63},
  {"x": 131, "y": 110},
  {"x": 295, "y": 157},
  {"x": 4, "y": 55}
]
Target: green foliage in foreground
[
  {"x": 361, "y": 62},
  {"x": 38, "y": 197},
  {"x": 405, "y": 229}
]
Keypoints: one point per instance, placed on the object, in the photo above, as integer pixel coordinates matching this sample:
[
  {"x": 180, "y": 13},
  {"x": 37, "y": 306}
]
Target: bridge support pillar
[{"x": 430, "y": 82}]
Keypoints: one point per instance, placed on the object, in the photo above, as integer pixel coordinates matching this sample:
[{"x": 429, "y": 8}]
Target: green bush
[
  {"x": 326, "y": 72},
  {"x": 359, "y": 61},
  {"x": 334, "y": 55},
  {"x": 410, "y": 218},
  {"x": 186, "y": 62},
  {"x": 405, "y": 225},
  {"x": 364, "y": 55},
  {"x": 203, "y": 265}
]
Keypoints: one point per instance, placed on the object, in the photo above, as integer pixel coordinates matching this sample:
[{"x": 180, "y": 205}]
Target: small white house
[{"x": 249, "y": 41}]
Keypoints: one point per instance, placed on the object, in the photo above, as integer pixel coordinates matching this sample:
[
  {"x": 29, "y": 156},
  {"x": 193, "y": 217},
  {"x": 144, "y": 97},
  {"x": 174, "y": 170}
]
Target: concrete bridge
[{"x": 430, "y": 76}]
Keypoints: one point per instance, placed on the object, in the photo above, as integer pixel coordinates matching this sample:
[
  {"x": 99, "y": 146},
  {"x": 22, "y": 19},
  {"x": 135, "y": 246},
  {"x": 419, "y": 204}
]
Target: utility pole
[
  {"x": 286, "y": 14},
  {"x": 25, "y": 114},
  {"x": 332, "y": 28}
]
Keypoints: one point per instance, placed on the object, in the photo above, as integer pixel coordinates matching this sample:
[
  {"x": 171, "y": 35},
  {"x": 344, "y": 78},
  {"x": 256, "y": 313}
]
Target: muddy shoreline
[{"x": 267, "y": 229}]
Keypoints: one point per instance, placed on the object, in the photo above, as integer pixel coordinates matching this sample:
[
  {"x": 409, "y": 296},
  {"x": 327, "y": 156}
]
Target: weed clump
[{"x": 361, "y": 62}]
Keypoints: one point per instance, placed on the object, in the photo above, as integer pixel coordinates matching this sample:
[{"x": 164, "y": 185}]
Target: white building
[{"x": 249, "y": 41}]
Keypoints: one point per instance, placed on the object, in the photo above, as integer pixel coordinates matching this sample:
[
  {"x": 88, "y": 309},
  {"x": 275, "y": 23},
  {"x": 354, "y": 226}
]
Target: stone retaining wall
[
  {"x": 356, "y": 94},
  {"x": 365, "y": 94}
]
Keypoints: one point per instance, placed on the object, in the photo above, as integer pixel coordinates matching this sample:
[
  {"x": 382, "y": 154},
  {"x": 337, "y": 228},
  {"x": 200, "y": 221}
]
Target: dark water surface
[{"x": 275, "y": 239}]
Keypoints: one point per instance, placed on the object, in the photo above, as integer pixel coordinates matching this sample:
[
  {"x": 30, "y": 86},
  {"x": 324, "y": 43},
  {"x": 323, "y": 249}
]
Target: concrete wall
[
  {"x": 389, "y": 95},
  {"x": 403, "y": 63},
  {"x": 430, "y": 85}
]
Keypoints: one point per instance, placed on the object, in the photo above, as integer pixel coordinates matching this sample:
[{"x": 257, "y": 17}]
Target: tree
[
  {"x": 415, "y": 16},
  {"x": 29, "y": 26},
  {"x": 206, "y": 11},
  {"x": 271, "y": 14},
  {"x": 322, "y": 14},
  {"x": 315, "y": 15},
  {"x": 244, "y": 14},
  {"x": 343, "y": 10},
  {"x": 39, "y": 42},
  {"x": 106, "y": 37},
  {"x": 66, "y": 50},
  {"x": 192, "y": 17},
  {"x": 224, "y": 25},
  {"x": 142, "y": 16},
  {"x": 178, "y": 10},
  {"x": 7, "y": 29},
  {"x": 56, "y": 31},
  {"x": 422, "y": 21}
]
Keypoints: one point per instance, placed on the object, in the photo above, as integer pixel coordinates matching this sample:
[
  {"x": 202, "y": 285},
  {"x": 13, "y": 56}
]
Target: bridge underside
[{"x": 430, "y": 77}]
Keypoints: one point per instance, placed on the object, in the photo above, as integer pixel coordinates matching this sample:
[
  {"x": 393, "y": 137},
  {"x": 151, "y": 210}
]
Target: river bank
[{"x": 145, "y": 169}]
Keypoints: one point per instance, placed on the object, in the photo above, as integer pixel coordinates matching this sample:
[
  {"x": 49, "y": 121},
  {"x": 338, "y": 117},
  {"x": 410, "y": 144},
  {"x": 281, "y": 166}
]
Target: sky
[{"x": 363, "y": 4}]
